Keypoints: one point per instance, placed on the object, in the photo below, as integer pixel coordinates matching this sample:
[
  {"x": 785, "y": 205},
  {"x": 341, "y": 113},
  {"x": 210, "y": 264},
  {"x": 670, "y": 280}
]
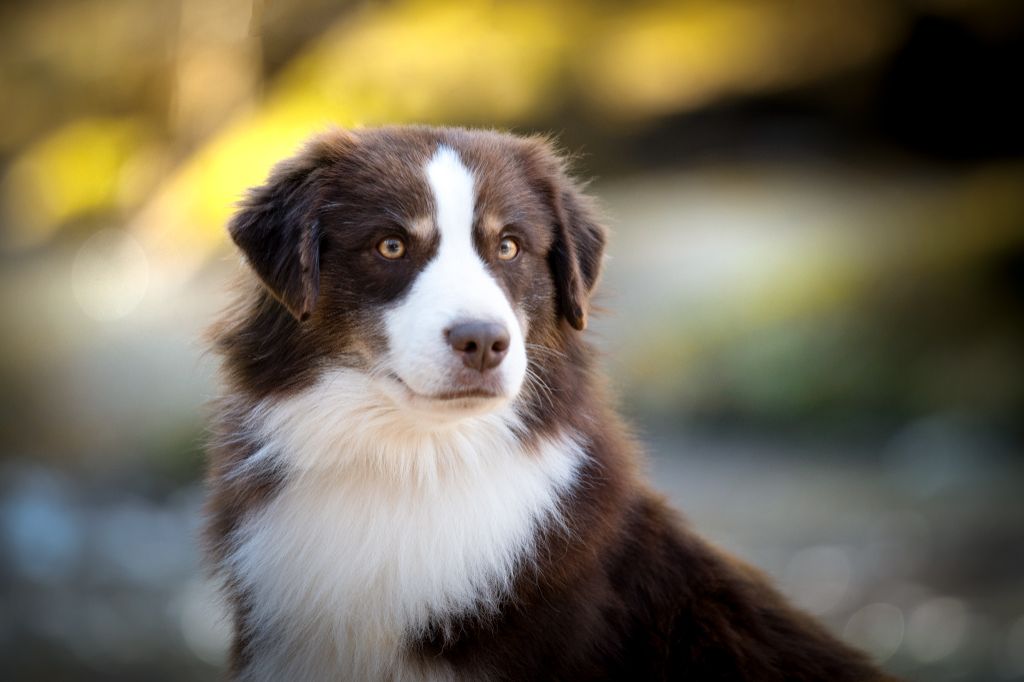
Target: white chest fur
[{"x": 382, "y": 529}]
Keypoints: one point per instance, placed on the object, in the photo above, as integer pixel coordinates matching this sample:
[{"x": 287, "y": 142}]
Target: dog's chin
[{"x": 449, "y": 404}]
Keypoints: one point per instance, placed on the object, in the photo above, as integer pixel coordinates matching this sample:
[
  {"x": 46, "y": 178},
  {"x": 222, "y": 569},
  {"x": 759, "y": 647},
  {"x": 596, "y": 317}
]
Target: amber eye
[
  {"x": 391, "y": 248},
  {"x": 508, "y": 249}
]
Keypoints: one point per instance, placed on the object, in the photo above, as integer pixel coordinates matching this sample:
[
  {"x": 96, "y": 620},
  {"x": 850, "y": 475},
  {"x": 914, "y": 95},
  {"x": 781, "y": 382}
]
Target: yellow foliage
[{"x": 73, "y": 171}]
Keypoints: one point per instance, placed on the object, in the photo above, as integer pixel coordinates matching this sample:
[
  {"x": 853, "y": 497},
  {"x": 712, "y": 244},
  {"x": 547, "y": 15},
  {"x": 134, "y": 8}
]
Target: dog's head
[{"x": 436, "y": 261}]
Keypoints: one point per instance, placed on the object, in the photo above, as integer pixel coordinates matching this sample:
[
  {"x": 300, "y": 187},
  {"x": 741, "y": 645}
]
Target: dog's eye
[
  {"x": 508, "y": 249},
  {"x": 391, "y": 248}
]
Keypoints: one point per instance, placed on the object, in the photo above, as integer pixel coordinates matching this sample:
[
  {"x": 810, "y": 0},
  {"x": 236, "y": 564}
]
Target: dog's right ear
[{"x": 277, "y": 228}]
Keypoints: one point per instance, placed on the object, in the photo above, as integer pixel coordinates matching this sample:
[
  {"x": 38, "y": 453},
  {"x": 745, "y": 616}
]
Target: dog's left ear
[
  {"x": 577, "y": 251},
  {"x": 277, "y": 227}
]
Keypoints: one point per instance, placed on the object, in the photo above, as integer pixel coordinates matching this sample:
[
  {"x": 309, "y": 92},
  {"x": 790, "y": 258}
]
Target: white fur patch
[
  {"x": 454, "y": 286},
  {"x": 383, "y": 526}
]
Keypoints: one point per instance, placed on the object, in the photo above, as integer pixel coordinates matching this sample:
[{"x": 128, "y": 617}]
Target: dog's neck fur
[{"x": 383, "y": 527}]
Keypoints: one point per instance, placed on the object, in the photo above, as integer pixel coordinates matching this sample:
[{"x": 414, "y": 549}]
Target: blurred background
[{"x": 814, "y": 302}]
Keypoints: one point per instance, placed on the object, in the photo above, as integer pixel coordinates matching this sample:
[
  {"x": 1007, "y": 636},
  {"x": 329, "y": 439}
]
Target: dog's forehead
[{"x": 392, "y": 168}]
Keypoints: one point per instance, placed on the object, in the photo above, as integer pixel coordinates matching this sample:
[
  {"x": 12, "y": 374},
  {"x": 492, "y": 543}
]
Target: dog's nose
[{"x": 481, "y": 345}]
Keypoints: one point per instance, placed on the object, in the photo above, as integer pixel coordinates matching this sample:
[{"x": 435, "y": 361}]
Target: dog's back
[{"x": 416, "y": 474}]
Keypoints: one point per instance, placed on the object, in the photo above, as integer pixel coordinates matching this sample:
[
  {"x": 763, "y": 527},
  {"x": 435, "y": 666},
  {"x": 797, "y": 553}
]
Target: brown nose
[{"x": 481, "y": 345}]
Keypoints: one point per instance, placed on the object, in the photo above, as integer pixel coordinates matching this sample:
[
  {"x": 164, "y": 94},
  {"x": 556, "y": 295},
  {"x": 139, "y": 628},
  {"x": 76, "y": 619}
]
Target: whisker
[
  {"x": 544, "y": 391},
  {"x": 546, "y": 349}
]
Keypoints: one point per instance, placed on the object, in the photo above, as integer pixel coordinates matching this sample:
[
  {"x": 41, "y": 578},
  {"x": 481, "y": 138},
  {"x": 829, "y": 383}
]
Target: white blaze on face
[{"x": 453, "y": 287}]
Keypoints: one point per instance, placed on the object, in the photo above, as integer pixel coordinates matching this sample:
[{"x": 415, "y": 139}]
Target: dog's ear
[
  {"x": 577, "y": 253},
  {"x": 577, "y": 250},
  {"x": 277, "y": 228}
]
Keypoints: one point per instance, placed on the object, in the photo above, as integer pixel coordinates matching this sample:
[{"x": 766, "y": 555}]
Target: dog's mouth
[
  {"x": 469, "y": 394},
  {"x": 456, "y": 396}
]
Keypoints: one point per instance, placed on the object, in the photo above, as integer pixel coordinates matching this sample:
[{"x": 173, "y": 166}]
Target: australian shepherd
[{"x": 416, "y": 473}]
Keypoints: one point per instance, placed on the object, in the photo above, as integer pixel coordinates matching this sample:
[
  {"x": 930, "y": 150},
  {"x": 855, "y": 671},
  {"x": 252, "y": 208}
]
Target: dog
[{"x": 416, "y": 473}]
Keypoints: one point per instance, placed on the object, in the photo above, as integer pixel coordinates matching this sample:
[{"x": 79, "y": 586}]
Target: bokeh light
[
  {"x": 877, "y": 628},
  {"x": 110, "y": 274}
]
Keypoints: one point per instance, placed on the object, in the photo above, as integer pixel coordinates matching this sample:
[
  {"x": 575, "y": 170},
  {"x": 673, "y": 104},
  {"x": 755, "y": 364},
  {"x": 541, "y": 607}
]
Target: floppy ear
[
  {"x": 578, "y": 247},
  {"x": 576, "y": 254},
  {"x": 277, "y": 229}
]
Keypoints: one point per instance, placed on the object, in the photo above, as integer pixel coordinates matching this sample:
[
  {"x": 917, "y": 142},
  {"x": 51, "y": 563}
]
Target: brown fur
[{"x": 627, "y": 591}]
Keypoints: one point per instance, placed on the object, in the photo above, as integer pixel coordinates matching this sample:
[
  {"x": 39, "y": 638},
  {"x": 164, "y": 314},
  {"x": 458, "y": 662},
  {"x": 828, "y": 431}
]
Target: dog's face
[{"x": 433, "y": 260}]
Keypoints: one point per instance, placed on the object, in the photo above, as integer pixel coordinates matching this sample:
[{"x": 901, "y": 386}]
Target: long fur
[
  {"x": 370, "y": 524},
  {"x": 383, "y": 530}
]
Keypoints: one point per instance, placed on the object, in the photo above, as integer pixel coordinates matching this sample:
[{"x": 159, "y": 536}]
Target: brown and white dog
[{"x": 416, "y": 473}]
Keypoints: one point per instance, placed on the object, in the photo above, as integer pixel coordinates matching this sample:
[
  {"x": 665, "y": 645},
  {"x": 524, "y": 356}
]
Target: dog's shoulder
[{"x": 692, "y": 611}]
